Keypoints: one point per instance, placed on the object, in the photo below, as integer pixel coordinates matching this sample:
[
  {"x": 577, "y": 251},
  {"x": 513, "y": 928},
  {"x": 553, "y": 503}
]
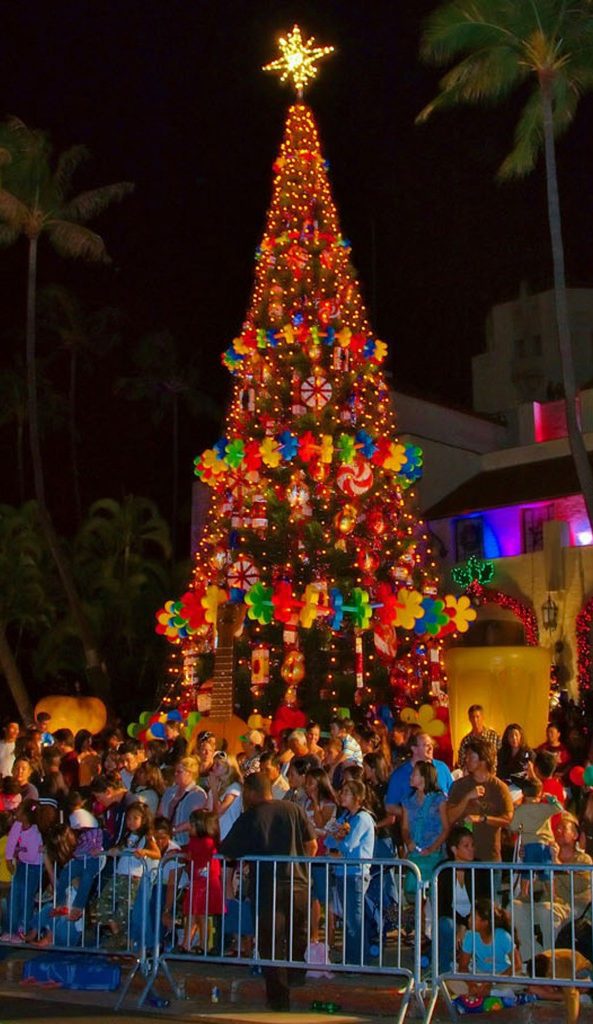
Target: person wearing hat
[{"x": 253, "y": 744}]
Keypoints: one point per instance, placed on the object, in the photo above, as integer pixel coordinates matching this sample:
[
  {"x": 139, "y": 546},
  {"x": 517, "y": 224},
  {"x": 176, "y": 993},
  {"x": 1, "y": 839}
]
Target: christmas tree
[{"x": 311, "y": 523}]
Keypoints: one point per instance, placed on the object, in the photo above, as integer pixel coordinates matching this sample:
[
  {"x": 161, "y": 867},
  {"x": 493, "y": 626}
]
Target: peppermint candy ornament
[
  {"x": 316, "y": 392},
  {"x": 242, "y": 574},
  {"x": 355, "y": 479}
]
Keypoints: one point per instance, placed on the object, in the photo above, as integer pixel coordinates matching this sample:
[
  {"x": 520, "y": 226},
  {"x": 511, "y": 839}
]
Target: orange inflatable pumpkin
[{"x": 74, "y": 713}]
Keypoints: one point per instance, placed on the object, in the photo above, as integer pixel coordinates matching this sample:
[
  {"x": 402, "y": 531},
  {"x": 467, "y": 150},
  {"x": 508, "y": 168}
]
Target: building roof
[{"x": 512, "y": 485}]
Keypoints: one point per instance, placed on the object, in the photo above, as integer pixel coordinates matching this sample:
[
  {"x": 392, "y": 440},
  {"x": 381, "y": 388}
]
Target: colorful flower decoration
[
  {"x": 379, "y": 352},
  {"x": 235, "y": 453},
  {"x": 326, "y": 451},
  {"x": 213, "y": 597},
  {"x": 259, "y": 604},
  {"x": 434, "y": 617},
  {"x": 252, "y": 456},
  {"x": 346, "y": 449},
  {"x": 460, "y": 612},
  {"x": 270, "y": 452},
  {"x": 409, "y": 608},
  {"x": 365, "y": 444},
  {"x": 386, "y": 604},
  {"x": 308, "y": 612},
  {"x": 193, "y": 610},
  {"x": 360, "y": 608},
  {"x": 283, "y": 601},
  {"x": 336, "y": 603},
  {"x": 396, "y": 458},
  {"x": 308, "y": 446},
  {"x": 289, "y": 445}
]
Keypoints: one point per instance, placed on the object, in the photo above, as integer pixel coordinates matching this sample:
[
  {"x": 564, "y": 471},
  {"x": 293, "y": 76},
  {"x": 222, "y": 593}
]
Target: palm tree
[
  {"x": 81, "y": 333},
  {"x": 166, "y": 381},
  {"x": 36, "y": 199},
  {"x": 25, "y": 601},
  {"x": 500, "y": 46}
]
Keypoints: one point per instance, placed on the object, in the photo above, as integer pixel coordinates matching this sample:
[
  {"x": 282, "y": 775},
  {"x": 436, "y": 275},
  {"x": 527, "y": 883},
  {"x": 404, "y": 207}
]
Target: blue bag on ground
[{"x": 87, "y": 973}]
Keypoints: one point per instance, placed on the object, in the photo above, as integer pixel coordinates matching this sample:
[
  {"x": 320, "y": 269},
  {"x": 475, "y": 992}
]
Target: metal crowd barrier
[
  {"x": 549, "y": 915},
  {"x": 98, "y": 904},
  {"x": 270, "y": 913}
]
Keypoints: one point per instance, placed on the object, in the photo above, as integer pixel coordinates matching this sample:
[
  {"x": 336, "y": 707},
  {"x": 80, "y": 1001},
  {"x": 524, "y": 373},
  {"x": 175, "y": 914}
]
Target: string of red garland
[
  {"x": 584, "y": 622},
  {"x": 483, "y": 595}
]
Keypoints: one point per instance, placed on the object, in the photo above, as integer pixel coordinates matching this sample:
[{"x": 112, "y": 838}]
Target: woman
[
  {"x": 225, "y": 790},
  {"x": 320, "y": 808},
  {"x": 424, "y": 819},
  {"x": 488, "y": 948},
  {"x": 21, "y": 773},
  {"x": 148, "y": 785},
  {"x": 514, "y": 758},
  {"x": 458, "y": 888},
  {"x": 88, "y": 759},
  {"x": 353, "y": 840},
  {"x": 183, "y": 797}
]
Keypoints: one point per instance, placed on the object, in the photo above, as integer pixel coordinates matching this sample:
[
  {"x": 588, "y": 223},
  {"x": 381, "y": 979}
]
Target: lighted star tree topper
[{"x": 298, "y": 60}]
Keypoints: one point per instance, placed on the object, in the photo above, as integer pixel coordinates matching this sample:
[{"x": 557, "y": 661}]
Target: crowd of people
[{"x": 357, "y": 793}]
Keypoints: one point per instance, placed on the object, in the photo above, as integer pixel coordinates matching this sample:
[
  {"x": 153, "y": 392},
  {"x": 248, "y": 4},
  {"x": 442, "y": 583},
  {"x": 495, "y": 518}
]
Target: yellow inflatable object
[
  {"x": 74, "y": 713},
  {"x": 511, "y": 683}
]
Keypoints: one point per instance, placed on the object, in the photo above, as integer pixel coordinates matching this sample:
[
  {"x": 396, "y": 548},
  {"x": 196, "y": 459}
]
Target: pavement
[{"x": 363, "y": 998}]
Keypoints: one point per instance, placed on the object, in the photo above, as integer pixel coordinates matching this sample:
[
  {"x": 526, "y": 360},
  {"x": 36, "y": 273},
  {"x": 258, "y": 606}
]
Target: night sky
[{"x": 168, "y": 94}]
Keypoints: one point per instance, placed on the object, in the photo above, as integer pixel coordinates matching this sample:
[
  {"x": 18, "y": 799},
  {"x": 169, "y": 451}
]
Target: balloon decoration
[
  {"x": 151, "y": 724},
  {"x": 577, "y": 775},
  {"x": 426, "y": 718}
]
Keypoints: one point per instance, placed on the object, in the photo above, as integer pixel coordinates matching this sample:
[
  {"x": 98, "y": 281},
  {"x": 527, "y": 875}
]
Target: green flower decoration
[
  {"x": 259, "y": 604},
  {"x": 235, "y": 453},
  {"x": 346, "y": 449}
]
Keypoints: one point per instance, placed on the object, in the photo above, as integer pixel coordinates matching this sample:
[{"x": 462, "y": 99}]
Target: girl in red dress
[{"x": 204, "y": 897}]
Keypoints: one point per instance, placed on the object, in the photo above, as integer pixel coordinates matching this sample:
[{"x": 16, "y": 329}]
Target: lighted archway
[
  {"x": 584, "y": 622},
  {"x": 483, "y": 595}
]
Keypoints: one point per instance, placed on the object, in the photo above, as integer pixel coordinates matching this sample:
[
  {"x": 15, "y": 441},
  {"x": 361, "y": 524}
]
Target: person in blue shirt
[
  {"x": 398, "y": 787},
  {"x": 353, "y": 840}
]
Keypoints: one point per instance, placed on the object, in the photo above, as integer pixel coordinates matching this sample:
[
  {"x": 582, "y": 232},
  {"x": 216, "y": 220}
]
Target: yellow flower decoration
[
  {"x": 326, "y": 452},
  {"x": 464, "y": 613},
  {"x": 409, "y": 608},
  {"x": 271, "y": 452},
  {"x": 288, "y": 333},
  {"x": 379, "y": 353},
  {"x": 344, "y": 337},
  {"x": 240, "y": 346},
  {"x": 213, "y": 462},
  {"x": 396, "y": 458},
  {"x": 425, "y": 718},
  {"x": 212, "y": 598},
  {"x": 308, "y": 612}
]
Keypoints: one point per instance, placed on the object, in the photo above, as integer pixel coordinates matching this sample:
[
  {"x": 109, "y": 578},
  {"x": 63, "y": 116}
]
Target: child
[
  {"x": 118, "y": 894},
  {"x": 5, "y": 875},
  {"x": 531, "y": 821},
  {"x": 24, "y": 856},
  {"x": 10, "y": 796},
  {"x": 488, "y": 953},
  {"x": 204, "y": 897}
]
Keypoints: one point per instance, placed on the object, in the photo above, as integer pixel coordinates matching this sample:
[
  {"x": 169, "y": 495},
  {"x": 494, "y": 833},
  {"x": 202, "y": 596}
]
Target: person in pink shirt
[{"x": 24, "y": 856}]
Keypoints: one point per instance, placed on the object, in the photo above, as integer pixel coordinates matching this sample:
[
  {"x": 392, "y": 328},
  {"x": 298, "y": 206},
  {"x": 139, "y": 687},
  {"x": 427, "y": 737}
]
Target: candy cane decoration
[{"x": 358, "y": 661}]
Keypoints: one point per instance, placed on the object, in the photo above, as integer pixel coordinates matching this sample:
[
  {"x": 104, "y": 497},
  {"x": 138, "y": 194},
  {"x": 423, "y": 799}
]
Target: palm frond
[
  {"x": 8, "y": 236},
  {"x": 529, "y": 135},
  {"x": 14, "y": 213},
  {"x": 77, "y": 242},
  {"x": 464, "y": 26},
  {"x": 91, "y": 203},
  {"x": 68, "y": 163}
]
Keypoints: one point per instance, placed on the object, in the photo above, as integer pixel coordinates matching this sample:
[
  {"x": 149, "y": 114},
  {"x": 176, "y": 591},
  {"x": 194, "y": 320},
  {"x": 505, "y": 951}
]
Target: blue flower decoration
[
  {"x": 272, "y": 339},
  {"x": 330, "y": 336},
  {"x": 236, "y": 595},
  {"x": 367, "y": 445},
  {"x": 336, "y": 602},
  {"x": 220, "y": 447},
  {"x": 289, "y": 445},
  {"x": 369, "y": 348},
  {"x": 297, "y": 319}
]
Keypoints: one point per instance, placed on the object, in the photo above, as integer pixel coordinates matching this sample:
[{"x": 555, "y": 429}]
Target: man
[
  {"x": 481, "y": 799},
  {"x": 270, "y": 765},
  {"x": 131, "y": 755},
  {"x": 398, "y": 787},
  {"x": 7, "y": 746},
  {"x": 279, "y": 890},
  {"x": 176, "y": 743},
  {"x": 478, "y": 731},
  {"x": 69, "y": 766},
  {"x": 253, "y": 744}
]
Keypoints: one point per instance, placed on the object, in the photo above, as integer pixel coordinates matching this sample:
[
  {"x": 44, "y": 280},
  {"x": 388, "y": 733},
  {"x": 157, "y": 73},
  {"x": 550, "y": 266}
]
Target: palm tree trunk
[
  {"x": 14, "y": 679},
  {"x": 20, "y": 435},
  {"x": 575, "y": 437},
  {"x": 96, "y": 672},
  {"x": 72, "y": 431},
  {"x": 175, "y": 501},
  {"x": 32, "y": 372}
]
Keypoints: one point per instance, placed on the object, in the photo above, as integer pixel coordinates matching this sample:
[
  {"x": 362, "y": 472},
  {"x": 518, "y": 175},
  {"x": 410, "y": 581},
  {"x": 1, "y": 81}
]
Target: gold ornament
[
  {"x": 298, "y": 60},
  {"x": 345, "y": 519},
  {"x": 293, "y": 668}
]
